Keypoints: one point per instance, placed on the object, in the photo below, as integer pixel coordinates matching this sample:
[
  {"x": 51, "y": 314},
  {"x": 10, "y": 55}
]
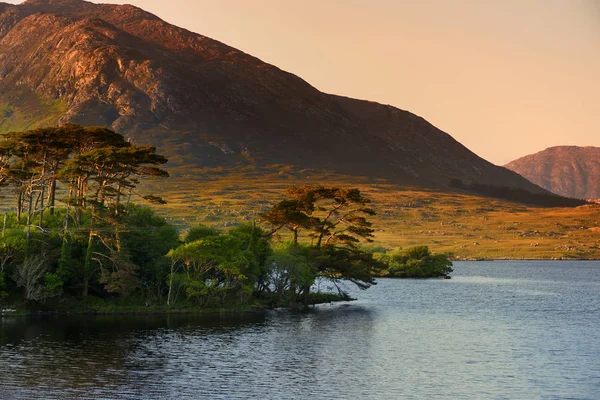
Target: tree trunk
[
  {"x": 87, "y": 265},
  {"x": 79, "y": 195},
  {"x": 64, "y": 256},
  {"x": 29, "y": 211},
  {"x": 319, "y": 239},
  {"x": 52, "y": 196},
  {"x": 42, "y": 192},
  {"x": 171, "y": 283},
  {"x": 305, "y": 294},
  {"x": 42, "y": 207},
  {"x": 19, "y": 205},
  {"x": 86, "y": 284},
  {"x": 118, "y": 199}
]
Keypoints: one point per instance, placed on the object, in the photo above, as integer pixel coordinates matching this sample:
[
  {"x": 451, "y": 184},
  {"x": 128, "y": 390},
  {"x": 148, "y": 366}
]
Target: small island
[{"x": 77, "y": 243}]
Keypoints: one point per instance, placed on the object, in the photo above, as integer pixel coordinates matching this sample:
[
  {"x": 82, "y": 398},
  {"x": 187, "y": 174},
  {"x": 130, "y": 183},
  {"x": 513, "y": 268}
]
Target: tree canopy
[
  {"x": 415, "y": 262},
  {"x": 334, "y": 221},
  {"x": 92, "y": 169}
]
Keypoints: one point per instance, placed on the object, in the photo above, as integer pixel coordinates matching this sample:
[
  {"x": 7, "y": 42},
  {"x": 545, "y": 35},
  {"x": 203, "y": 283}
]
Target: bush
[
  {"x": 200, "y": 232},
  {"x": 415, "y": 262}
]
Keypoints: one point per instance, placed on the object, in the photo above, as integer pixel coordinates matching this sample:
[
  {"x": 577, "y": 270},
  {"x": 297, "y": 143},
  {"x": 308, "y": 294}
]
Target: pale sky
[{"x": 506, "y": 78}]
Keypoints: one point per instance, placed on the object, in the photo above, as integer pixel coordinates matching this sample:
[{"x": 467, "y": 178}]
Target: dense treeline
[
  {"x": 47, "y": 249},
  {"x": 75, "y": 234}
]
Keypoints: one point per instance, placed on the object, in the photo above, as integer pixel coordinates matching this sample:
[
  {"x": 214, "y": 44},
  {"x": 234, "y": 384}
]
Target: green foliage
[
  {"x": 331, "y": 215},
  {"x": 123, "y": 279},
  {"x": 146, "y": 238},
  {"x": 94, "y": 242},
  {"x": 256, "y": 247},
  {"x": 220, "y": 267},
  {"x": 53, "y": 285},
  {"x": 217, "y": 267},
  {"x": 200, "y": 232},
  {"x": 3, "y": 287},
  {"x": 355, "y": 265},
  {"x": 12, "y": 248},
  {"x": 78, "y": 234},
  {"x": 336, "y": 221},
  {"x": 291, "y": 271},
  {"x": 415, "y": 262},
  {"x": 176, "y": 282},
  {"x": 139, "y": 263},
  {"x": 70, "y": 261}
]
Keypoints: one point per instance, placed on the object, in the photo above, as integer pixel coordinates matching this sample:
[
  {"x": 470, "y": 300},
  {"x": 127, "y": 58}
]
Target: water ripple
[{"x": 496, "y": 331}]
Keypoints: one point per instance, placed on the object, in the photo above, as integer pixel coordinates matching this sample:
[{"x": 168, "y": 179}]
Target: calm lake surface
[{"x": 496, "y": 330}]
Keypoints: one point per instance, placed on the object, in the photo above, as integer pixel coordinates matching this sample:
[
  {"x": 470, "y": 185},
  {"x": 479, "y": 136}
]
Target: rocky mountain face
[
  {"x": 206, "y": 103},
  {"x": 565, "y": 170}
]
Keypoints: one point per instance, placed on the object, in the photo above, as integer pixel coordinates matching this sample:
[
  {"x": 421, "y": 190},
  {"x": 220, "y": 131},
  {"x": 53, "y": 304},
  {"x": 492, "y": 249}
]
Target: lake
[{"x": 496, "y": 330}]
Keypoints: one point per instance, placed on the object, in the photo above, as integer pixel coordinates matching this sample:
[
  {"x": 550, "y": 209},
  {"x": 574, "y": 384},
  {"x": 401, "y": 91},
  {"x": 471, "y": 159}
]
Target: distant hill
[
  {"x": 207, "y": 104},
  {"x": 565, "y": 170}
]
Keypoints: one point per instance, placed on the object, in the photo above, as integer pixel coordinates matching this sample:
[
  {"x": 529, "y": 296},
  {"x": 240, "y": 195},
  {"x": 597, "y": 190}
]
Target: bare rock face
[
  {"x": 119, "y": 66},
  {"x": 565, "y": 170}
]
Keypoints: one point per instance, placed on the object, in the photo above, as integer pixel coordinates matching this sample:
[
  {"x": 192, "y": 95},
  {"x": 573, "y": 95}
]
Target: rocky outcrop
[
  {"x": 565, "y": 170},
  {"x": 125, "y": 68}
]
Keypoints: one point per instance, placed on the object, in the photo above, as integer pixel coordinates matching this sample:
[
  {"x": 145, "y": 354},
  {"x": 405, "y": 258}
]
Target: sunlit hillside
[{"x": 466, "y": 225}]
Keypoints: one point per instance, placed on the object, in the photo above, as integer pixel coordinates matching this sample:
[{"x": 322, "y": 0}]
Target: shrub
[{"x": 415, "y": 262}]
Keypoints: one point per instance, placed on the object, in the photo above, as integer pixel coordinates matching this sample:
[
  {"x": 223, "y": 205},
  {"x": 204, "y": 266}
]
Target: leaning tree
[{"x": 335, "y": 221}]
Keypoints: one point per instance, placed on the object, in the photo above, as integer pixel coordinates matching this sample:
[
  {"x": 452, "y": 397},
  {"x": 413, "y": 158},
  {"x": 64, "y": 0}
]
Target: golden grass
[{"x": 465, "y": 225}]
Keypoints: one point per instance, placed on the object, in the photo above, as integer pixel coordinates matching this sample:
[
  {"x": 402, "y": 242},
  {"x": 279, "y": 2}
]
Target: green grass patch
[{"x": 23, "y": 109}]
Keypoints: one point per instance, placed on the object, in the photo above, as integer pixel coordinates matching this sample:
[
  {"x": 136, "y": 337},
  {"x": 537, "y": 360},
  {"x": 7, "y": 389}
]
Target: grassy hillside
[
  {"x": 466, "y": 225},
  {"x": 21, "y": 110}
]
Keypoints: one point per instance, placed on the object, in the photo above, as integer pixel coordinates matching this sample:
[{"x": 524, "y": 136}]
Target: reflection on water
[{"x": 496, "y": 330}]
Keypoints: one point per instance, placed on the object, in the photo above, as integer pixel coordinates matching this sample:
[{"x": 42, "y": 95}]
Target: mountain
[
  {"x": 207, "y": 104},
  {"x": 565, "y": 170}
]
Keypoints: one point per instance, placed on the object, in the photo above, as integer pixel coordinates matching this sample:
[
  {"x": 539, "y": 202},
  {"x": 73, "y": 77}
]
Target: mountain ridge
[
  {"x": 572, "y": 171},
  {"x": 197, "y": 98}
]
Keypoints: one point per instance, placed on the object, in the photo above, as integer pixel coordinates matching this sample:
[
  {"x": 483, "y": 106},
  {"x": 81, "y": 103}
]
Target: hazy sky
[{"x": 506, "y": 78}]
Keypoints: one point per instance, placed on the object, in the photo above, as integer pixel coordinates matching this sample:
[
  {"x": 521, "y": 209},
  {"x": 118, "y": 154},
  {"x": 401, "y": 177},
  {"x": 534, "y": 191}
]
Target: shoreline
[
  {"x": 20, "y": 311},
  {"x": 97, "y": 309},
  {"x": 92, "y": 313},
  {"x": 471, "y": 259}
]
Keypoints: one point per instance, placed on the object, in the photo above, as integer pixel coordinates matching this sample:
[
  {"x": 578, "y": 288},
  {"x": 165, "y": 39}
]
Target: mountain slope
[
  {"x": 205, "y": 103},
  {"x": 565, "y": 170}
]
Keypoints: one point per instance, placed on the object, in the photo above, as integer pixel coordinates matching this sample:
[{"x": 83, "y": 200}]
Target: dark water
[{"x": 497, "y": 330}]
